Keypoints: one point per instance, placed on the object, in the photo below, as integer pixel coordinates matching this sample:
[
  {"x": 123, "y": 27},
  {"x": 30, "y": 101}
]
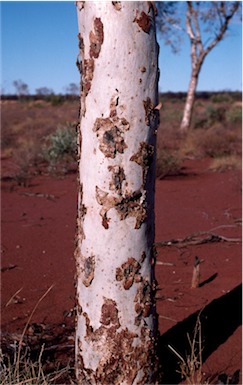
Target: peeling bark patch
[
  {"x": 130, "y": 205},
  {"x": 123, "y": 353},
  {"x": 151, "y": 113},
  {"x": 82, "y": 210},
  {"x": 144, "y": 21},
  {"x": 129, "y": 273},
  {"x": 109, "y": 313},
  {"x": 144, "y": 158},
  {"x": 88, "y": 73},
  {"x": 117, "y": 5},
  {"x": 89, "y": 329},
  {"x": 110, "y": 132},
  {"x": 133, "y": 205},
  {"x": 88, "y": 270},
  {"x": 117, "y": 178},
  {"x": 96, "y": 38},
  {"x": 143, "y": 301}
]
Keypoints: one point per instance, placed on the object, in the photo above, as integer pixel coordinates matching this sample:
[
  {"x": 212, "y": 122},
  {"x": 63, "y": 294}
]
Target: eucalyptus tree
[
  {"x": 116, "y": 327},
  {"x": 206, "y": 24}
]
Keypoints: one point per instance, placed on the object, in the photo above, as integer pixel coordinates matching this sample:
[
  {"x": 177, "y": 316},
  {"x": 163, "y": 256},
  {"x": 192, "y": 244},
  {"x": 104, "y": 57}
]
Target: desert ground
[{"x": 198, "y": 214}]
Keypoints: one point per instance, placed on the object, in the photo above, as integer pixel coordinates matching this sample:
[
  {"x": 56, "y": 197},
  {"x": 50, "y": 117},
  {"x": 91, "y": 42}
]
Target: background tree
[
  {"x": 22, "y": 88},
  {"x": 43, "y": 91},
  {"x": 206, "y": 24},
  {"x": 116, "y": 319},
  {"x": 72, "y": 89}
]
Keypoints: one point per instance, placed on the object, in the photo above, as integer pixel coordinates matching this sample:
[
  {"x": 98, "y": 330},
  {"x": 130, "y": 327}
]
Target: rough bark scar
[
  {"x": 88, "y": 269},
  {"x": 96, "y": 38},
  {"x": 143, "y": 301},
  {"x": 110, "y": 132},
  {"x": 130, "y": 205},
  {"x": 117, "y": 178},
  {"x": 151, "y": 113},
  {"x": 86, "y": 66},
  {"x": 144, "y": 21},
  {"x": 109, "y": 313},
  {"x": 123, "y": 354},
  {"x": 129, "y": 273},
  {"x": 87, "y": 76},
  {"x": 144, "y": 158},
  {"x": 82, "y": 210},
  {"x": 117, "y": 5}
]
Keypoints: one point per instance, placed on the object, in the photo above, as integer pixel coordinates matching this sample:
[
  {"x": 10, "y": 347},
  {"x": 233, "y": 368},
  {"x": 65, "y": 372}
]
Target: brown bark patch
[
  {"x": 123, "y": 353},
  {"x": 133, "y": 205},
  {"x": 144, "y": 21},
  {"x": 82, "y": 210},
  {"x": 96, "y": 38},
  {"x": 144, "y": 158},
  {"x": 128, "y": 273},
  {"x": 110, "y": 132},
  {"x": 117, "y": 5},
  {"x": 87, "y": 75},
  {"x": 88, "y": 270},
  {"x": 151, "y": 113},
  {"x": 109, "y": 313},
  {"x": 143, "y": 301},
  {"x": 117, "y": 178},
  {"x": 130, "y": 205}
]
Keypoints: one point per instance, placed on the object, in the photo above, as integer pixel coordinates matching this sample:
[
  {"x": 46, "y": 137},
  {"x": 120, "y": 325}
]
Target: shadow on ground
[{"x": 218, "y": 320}]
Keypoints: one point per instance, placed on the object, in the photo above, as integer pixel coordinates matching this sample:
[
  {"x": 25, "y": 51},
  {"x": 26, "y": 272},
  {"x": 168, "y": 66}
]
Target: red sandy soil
[{"x": 38, "y": 232}]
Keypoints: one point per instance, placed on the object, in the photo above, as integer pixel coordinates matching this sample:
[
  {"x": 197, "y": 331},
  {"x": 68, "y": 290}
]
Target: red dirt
[{"x": 38, "y": 231}]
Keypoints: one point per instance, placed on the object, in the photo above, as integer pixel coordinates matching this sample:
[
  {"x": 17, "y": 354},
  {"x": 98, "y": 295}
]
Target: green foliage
[
  {"x": 56, "y": 100},
  {"x": 234, "y": 115},
  {"x": 221, "y": 98},
  {"x": 215, "y": 114},
  {"x": 61, "y": 145}
]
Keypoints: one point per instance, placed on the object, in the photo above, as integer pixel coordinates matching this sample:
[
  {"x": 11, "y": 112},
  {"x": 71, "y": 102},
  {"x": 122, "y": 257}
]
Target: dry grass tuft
[
  {"x": 191, "y": 365},
  {"x": 20, "y": 368},
  {"x": 231, "y": 162}
]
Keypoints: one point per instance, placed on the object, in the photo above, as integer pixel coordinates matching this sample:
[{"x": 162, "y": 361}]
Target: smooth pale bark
[
  {"x": 187, "y": 112},
  {"x": 116, "y": 317}
]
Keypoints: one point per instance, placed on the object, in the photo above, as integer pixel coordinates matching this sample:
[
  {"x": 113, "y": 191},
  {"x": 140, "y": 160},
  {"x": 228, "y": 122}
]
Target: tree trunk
[
  {"x": 187, "y": 113},
  {"x": 116, "y": 318}
]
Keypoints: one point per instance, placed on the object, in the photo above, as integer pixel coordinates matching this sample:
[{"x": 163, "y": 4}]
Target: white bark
[
  {"x": 116, "y": 318},
  {"x": 187, "y": 112}
]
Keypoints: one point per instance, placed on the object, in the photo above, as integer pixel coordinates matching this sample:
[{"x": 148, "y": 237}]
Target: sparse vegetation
[
  {"x": 61, "y": 146},
  {"x": 168, "y": 163},
  {"x": 191, "y": 365},
  {"x": 38, "y": 136},
  {"x": 231, "y": 162},
  {"x": 234, "y": 115},
  {"x": 42, "y": 131}
]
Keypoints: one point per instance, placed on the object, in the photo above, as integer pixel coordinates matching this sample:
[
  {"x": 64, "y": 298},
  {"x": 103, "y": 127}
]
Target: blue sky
[{"x": 39, "y": 45}]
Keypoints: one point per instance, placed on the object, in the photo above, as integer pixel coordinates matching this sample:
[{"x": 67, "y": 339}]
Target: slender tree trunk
[
  {"x": 116, "y": 318},
  {"x": 187, "y": 113}
]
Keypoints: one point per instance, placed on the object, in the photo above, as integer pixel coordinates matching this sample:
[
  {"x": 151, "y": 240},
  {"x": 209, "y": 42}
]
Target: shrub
[
  {"x": 214, "y": 114},
  {"x": 234, "y": 115},
  {"x": 221, "y": 98},
  {"x": 61, "y": 145},
  {"x": 231, "y": 162},
  {"x": 167, "y": 163},
  {"x": 218, "y": 141},
  {"x": 55, "y": 100}
]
